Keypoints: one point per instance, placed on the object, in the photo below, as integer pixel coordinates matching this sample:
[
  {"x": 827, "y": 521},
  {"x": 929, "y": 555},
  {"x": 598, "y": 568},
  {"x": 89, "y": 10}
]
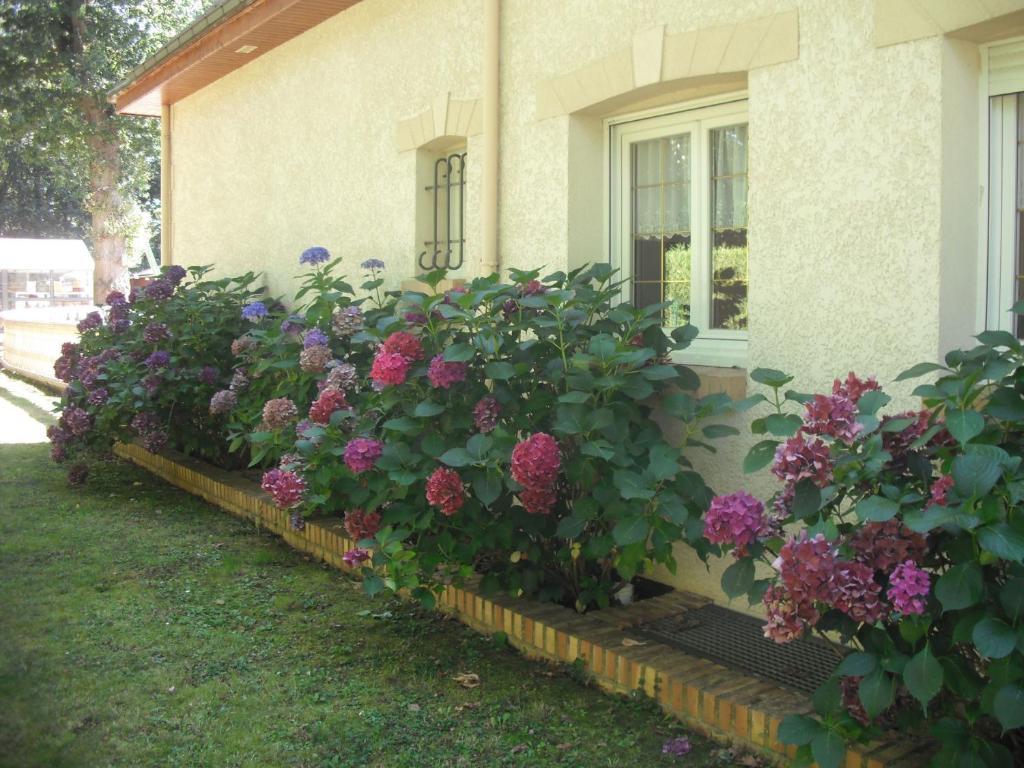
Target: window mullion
[{"x": 700, "y": 225}]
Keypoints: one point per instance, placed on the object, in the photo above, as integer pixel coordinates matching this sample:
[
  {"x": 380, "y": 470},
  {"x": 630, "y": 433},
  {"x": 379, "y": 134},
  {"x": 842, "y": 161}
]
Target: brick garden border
[{"x": 722, "y": 703}]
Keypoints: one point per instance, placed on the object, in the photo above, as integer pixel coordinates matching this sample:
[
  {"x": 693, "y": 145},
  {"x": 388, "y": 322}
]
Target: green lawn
[{"x": 141, "y": 627}]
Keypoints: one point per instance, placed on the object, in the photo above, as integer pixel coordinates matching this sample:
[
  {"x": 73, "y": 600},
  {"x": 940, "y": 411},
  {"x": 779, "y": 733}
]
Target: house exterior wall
[{"x": 862, "y": 183}]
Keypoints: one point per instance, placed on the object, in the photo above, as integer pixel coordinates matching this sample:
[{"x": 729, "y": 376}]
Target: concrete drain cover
[{"x": 737, "y": 641}]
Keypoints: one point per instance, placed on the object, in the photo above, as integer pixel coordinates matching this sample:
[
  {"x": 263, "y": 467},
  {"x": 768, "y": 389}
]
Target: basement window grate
[{"x": 737, "y": 641}]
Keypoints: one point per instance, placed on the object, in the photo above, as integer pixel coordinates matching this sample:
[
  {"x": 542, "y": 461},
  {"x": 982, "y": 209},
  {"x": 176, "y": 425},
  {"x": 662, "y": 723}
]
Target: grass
[{"x": 141, "y": 627}]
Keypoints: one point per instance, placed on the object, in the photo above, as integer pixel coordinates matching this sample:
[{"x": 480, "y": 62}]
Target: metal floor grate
[{"x": 736, "y": 640}]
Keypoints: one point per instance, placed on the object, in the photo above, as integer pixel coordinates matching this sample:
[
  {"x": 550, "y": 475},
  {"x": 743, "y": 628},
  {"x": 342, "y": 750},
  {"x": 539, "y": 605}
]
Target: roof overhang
[{"x": 226, "y": 38}]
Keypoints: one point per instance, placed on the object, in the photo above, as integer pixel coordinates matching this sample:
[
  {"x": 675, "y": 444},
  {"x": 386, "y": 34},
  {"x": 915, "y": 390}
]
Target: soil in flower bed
[{"x": 140, "y": 626}]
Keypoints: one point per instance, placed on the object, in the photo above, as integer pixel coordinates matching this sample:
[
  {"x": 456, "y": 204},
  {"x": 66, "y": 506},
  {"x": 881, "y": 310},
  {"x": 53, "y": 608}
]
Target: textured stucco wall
[
  {"x": 863, "y": 170},
  {"x": 298, "y": 148}
]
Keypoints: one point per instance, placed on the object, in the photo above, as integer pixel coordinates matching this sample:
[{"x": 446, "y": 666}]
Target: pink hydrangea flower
[
  {"x": 798, "y": 458},
  {"x": 857, "y": 594},
  {"x": 807, "y": 567},
  {"x": 833, "y": 415},
  {"x": 939, "y": 489},
  {"x": 279, "y": 412},
  {"x": 444, "y": 490},
  {"x": 787, "y": 621},
  {"x": 908, "y": 586},
  {"x": 445, "y": 374},
  {"x": 898, "y": 443},
  {"x": 285, "y": 487},
  {"x": 736, "y": 519},
  {"x": 329, "y": 401},
  {"x": 361, "y": 525},
  {"x": 389, "y": 369},
  {"x": 854, "y": 388},
  {"x": 355, "y": 557},
  {"x": 361, "y": 454},
  {"x": 404, "y": 344}
]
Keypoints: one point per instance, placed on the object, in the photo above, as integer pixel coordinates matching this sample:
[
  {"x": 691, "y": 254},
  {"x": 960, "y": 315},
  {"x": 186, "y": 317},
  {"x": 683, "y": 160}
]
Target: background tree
[{"x": 68, "y": 165}]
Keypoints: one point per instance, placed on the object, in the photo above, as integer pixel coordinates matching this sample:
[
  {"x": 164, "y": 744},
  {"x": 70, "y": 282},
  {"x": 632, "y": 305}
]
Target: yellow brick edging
[{"x": 719, "y": 702}]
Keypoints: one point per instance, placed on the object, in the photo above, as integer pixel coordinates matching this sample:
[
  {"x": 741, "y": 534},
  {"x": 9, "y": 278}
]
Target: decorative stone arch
[
  {"x": 657, "y": 62},
  {"x": 900, "y": 21},
  {"x": 446, "y": 121}
]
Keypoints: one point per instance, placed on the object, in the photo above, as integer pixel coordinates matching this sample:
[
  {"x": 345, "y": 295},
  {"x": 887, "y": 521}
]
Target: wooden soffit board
[{"x": 212, "y": 48}]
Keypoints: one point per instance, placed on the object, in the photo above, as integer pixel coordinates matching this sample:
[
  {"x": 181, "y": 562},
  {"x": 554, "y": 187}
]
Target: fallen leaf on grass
[
  {"x": 414, "y": 707},
  {"x": 467, "y": 679},
  {"x": 518, "y": 748}
]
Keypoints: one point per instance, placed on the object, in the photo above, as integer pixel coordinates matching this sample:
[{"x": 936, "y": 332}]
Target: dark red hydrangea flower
[
  {"x": 787, "y": 620},
  {"x": 807, "y": 567},
  {"x": 857, "y": 594},
  {"x": 444, "y": 374},
  {"x": 154, "y": 333},
  {"x": 898, "y": 443},
  {"x": 145, "y": 422},
  {"x": 208, "y": 375},
  {"x": 939, "y": 490},
  {"x": 361, "y": 454},
  {"x": 798, "y": 458},
  {"x": 355, "y": 557},
  {"x": 486, "y": 413},
  {"x": 329, "y": 401},
  {"x": 404, "y": 344},
  {"x": 361, "y": 525},
  {"x": 151, "y": 384},
  {"x": 854, "y": 388},
  {"x": 415, "y": 318},
  {"x": 89, "y": 322},
  {"x": 75, "y": 420},
  {"x": 444, "y": 490},
  {"x": 389, "y": 369},
  {"x": 78, "y": 474},
  {"x": 160, "y": 289},
  {"x": 881, "y": 546},
  {"x": 98, "y": 397},
  {"x": 154, "y": 442},
  {"x": 58, "y": 453},
  {"x": 536, "y": 462},
  {"x": 285, "y": 487},
  {"x": 849, "y": 687},
  {"x": 736, "y": 519},
  {"x": 833, "y": 415}
]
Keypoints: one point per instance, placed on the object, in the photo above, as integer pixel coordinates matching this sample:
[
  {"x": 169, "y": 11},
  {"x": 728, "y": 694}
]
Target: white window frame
[
  {"x": 713, "y": 347},
  {"x": 997, "y": 258}
]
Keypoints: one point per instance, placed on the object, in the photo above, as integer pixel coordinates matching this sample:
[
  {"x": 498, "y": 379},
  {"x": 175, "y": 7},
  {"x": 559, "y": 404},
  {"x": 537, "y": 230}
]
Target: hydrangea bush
[
  {"x": 500, "y": 428},
  {"x": 145, "y": 368},
  {"x": 902, "y": 534}
]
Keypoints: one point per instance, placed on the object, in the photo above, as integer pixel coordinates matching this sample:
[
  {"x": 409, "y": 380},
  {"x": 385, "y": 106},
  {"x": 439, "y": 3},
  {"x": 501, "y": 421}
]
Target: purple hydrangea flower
[
  {"x": 115, "y": 299},
  {"x": 160, "y": 289},
  {"x": 314, "y": 338},
  {"x": 175, "y": 274},
  {"x": 292, "y": 324},
  {"x": 372, "y": 264},
  {"x": 209, "y": 375},
  {"x": 89, "y": 322},
  {"x": 254, "y": 311},
  {"x": 155, "y": 333},
  {"x": 159, "y": 359},
  {"x": 355, "y": 557},
  {"x": 361, "y": 454},
  {"x": 314, "y": 255},
  {"x": 908, "y": 586}
]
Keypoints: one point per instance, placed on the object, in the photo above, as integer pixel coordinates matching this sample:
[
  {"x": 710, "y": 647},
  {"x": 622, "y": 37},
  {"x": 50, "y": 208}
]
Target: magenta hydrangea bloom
[
  {"x": 854, "y": 387},
  {"x": 833, "y": 415},
  {"x": 285, "y": 487},
  {"x": 736, "y": 519},
  {"x": 798, "y": 458},
  {"x": 908, "y": 588},
  {"x": 361, "y": 454},
  {"x": 389, "y": 369},
  {"x": 355, "y": 557},
  {"x": 445, "y": 374}
]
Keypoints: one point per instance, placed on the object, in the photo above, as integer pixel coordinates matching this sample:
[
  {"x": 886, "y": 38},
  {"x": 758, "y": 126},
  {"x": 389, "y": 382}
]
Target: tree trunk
[{"x": 107, "y": 208}]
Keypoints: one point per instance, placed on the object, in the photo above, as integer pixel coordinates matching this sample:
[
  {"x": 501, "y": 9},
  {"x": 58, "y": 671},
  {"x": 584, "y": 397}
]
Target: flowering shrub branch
[{"x": 903, "y": 534}]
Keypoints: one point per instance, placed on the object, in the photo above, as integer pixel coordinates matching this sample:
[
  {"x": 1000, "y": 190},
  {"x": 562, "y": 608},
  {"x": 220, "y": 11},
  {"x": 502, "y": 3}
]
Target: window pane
[
  {"x": 660, "y": 226},
  {"x": 729, "y": 227}
]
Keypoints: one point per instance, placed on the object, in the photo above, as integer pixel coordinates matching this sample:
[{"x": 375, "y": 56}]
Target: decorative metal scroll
[{"x": 445, "y": 251}]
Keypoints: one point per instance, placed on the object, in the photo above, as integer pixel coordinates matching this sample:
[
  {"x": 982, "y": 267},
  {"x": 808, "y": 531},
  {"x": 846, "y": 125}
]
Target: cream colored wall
[
  {"x": 298, "y": 148},
  {"x": 863, "y": 170}
]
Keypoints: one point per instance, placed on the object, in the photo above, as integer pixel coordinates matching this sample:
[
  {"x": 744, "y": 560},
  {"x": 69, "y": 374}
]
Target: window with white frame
[
  {"x": 678, "y": 221},
  {"x": 1004, "y": 89}
]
